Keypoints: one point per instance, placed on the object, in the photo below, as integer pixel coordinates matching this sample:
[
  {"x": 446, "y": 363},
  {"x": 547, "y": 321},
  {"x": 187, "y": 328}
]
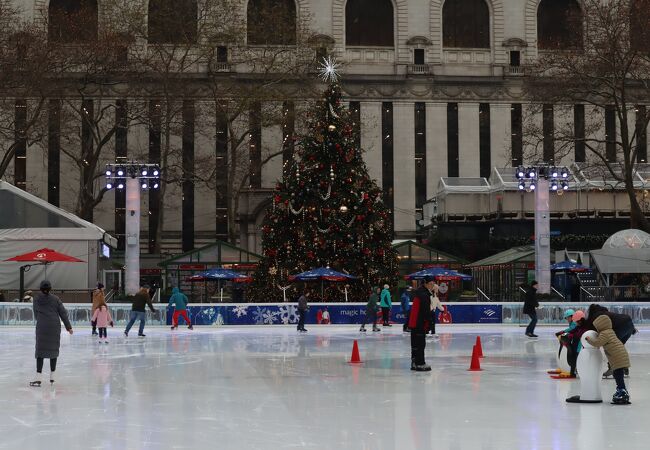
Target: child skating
[
  {"x": 102, "y": 318},
  {"x": 616, "y": 354},
  {"x": 179, "y": 300}
]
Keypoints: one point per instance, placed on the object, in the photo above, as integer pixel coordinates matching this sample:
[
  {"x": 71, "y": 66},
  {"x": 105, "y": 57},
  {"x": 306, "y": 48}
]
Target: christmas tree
[{"x": 327, "y": 211}]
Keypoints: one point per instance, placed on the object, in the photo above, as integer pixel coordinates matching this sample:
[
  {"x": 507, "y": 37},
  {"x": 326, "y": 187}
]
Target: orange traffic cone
[
  {"x": 355, "y": 358},
  {"x": 479, "y": 347},
  {"x": 475, "y": 365}
]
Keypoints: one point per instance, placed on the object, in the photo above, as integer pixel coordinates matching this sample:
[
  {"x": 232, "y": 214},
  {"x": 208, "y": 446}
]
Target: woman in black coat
[
  {"x": 530, "y": 307},
  {"x": 48, "y": 313}
]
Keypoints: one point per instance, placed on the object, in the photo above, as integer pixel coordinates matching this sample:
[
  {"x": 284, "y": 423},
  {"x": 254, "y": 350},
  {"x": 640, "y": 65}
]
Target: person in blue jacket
[
  {"x": 405, "y": 301},
  {"x": 385, "y": 303},
  {"x": 179, "y": 300}
]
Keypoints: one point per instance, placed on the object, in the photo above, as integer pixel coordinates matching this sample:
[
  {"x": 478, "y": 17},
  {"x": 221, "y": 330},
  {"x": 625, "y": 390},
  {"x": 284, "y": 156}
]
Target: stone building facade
[{"x": 437, "y": 85}]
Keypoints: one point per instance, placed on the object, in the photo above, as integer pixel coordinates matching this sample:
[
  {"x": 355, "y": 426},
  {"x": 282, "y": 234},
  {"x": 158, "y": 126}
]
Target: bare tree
[{"x": 610, "y": 71}]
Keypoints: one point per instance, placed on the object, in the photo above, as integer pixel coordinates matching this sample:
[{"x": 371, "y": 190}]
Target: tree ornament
[
  {"x": 343, "y": 209},
  {"x": 331, "y": 128}
]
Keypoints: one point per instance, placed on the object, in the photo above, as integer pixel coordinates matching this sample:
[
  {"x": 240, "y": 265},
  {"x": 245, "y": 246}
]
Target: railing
[
  {"x": 614, "y": 294},
  {"x": 558, "y": 293},
  {"x": 79, "y": 314},
  {"x": 418, "y": 69},
  {"x": 221, "y": 67},
  {"x": 71, "y": 296},
  {"x": 483, "y": 294},
  {"x": 515, "y": 71}
]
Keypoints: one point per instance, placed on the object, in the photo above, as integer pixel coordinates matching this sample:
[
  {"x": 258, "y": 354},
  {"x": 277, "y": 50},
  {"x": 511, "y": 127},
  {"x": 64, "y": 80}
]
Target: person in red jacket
[{"x": 419, "y": 323}]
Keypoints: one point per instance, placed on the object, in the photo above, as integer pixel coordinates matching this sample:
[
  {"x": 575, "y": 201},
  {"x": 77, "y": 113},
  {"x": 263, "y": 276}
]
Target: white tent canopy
[
  {"x": 627, "y": 251},
  {"x": 28, "y": 223}
]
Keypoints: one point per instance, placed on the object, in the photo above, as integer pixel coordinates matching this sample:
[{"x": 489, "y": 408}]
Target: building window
[
  {"x": 54, "y": 152},
  {"x": 548, "y": 132},
  {"x": 387, "y": 180},
  {"x": 559, "y": 25},
  {"x": 70, "y": 21},
  {"x": 222, "y": 54},
  {"x": 369, "y": 23},
  {"x": 288, "y": 132},
  {"x": 484, "y": 136},
  {"x": 466, "y": 24},
  {"x": 187, "y": 227},
  {"x": 271, "y": 22},
  {"x": 420, "y": 154},
  {"x": 172, "y": 21},
  {"x": 418, "y": 56},
  {"x": 355, "y": 113},
  {"x": 452, "y": 140},
  {"x": 641, "y": 134},
  {"x": 155, "y": 125},
  {"x": 517, "y": 139},
  {"x": 640, "y": 25},
  {"x": 515, "y": 58},
  {"x": 121, "y": 133},
  {"x": 255, "y": 146},
  {"x": 610, "y": 133},
  {"x": 20, "y": 154},
  {"x": 221, "y": 170},
  {"x": 579, "y": 132}
]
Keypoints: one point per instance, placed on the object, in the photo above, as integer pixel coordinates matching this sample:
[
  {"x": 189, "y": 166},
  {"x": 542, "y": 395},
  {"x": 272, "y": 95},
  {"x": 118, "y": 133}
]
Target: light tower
[
  {"x": 543, "y": 179},
  {"x": 134, "y": 177}
]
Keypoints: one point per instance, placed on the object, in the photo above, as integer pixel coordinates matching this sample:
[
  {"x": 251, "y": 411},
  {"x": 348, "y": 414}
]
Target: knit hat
[
  {"x": 568, "y": 313},
  {"x": 578, "y": 315},
  {"x": 45, "y": 285}
]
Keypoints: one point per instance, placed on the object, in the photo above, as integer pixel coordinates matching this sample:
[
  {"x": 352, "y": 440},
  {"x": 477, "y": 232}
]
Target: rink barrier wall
[{"x": 339, "y": 313}]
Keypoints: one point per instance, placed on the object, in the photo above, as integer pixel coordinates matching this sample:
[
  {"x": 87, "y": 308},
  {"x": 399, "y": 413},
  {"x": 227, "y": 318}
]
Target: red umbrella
[{"x": 44, "y": 256}]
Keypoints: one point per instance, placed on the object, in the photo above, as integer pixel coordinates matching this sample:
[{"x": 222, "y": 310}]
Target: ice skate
[
  {"x": 362, "y": 329},
  {"x": 174, "y": 327},
  {"x": 190, "y": 327},
  {"x": 423, "y": 368},
  {"x": 126, "y": 334},
  {"x": 37, "y": 381},
  {"x": 608, "y": 373},
  {"x": 621, "y": 397},
  {"x": 376, "y": 329},
  {"x": 51, "y": 377},
  {"x": 142, "y": 335}
]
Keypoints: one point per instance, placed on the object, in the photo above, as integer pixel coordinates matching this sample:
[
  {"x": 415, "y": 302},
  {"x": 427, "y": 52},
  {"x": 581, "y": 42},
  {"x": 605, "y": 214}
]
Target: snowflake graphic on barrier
[
  {"x": 240, "y": 311},
  {"x": 288, "y": 314},
  {"x": 264, "y": 316}
]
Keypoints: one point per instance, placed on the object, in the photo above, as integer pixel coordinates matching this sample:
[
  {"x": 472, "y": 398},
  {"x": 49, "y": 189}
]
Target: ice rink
[{"x": 271, "y": 388}]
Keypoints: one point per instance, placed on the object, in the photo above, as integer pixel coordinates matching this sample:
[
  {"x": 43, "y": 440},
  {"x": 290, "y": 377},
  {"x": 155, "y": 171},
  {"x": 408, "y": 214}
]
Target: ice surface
[{"x": 271, "y": 388}]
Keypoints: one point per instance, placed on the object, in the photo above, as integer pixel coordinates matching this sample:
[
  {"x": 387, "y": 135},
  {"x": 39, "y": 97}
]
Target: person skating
[
  {"x": 302, "y": 310},
  {"x": 140, "y": 300},
  {"x": 419, "y": 324},
  {"x": 49, "y": 312},
  {"x": 371, "y": 310},
  {"x": 99, "y": 298},
  {"x": 617, "y": 356},
  {"x": 102, "y": 319},
  {"x": 622, "y": 325},
  {"x": 386, "y": 303},
  {"x": 436, "y": 306},
  {"x": 530, "y": 308},
  {"x": 405, "y": 302},
  {"x": 179, "y": 300}
]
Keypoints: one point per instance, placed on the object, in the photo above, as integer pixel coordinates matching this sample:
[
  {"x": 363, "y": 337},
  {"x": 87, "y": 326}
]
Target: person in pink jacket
[{"x": 103, "y": 318}]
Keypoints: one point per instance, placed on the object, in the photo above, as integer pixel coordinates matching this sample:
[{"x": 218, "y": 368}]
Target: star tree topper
[{"x": 329, "y": 70}]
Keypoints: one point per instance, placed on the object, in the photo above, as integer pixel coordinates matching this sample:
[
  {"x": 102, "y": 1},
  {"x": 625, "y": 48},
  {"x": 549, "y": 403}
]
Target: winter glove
[{"x": 112, "y": 324}]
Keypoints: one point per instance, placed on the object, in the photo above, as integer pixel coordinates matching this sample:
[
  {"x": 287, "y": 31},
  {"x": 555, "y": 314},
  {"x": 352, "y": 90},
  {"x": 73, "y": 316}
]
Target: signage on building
[{"x": 192, "y": 267}]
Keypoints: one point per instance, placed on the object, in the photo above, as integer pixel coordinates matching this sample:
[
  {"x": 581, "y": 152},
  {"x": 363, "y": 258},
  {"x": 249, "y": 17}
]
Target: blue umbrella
[
  {"x": 218, "y": 274},
  {"x": 437, "y": 272},
  {"x": 570, "y": 266},
  {"x": 322, "y": 274}
]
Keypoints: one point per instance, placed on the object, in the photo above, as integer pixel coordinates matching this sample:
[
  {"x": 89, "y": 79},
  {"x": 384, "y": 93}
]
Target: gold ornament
[
  {"x": 343, "y": 209},
  {"x": 331, "y": 127}
]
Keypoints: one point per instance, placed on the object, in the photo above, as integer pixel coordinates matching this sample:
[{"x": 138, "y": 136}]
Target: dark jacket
[
  {"x": 620, "y": 322},
  {"x": 140, "y": 300},
  {"x": 372, "y": 302},
  {"x": 530, "y": 302},
  {"x": 48, "y": 313},
  {"x": 420, "y": 317},
  {"x": 302, "y": 303}
]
